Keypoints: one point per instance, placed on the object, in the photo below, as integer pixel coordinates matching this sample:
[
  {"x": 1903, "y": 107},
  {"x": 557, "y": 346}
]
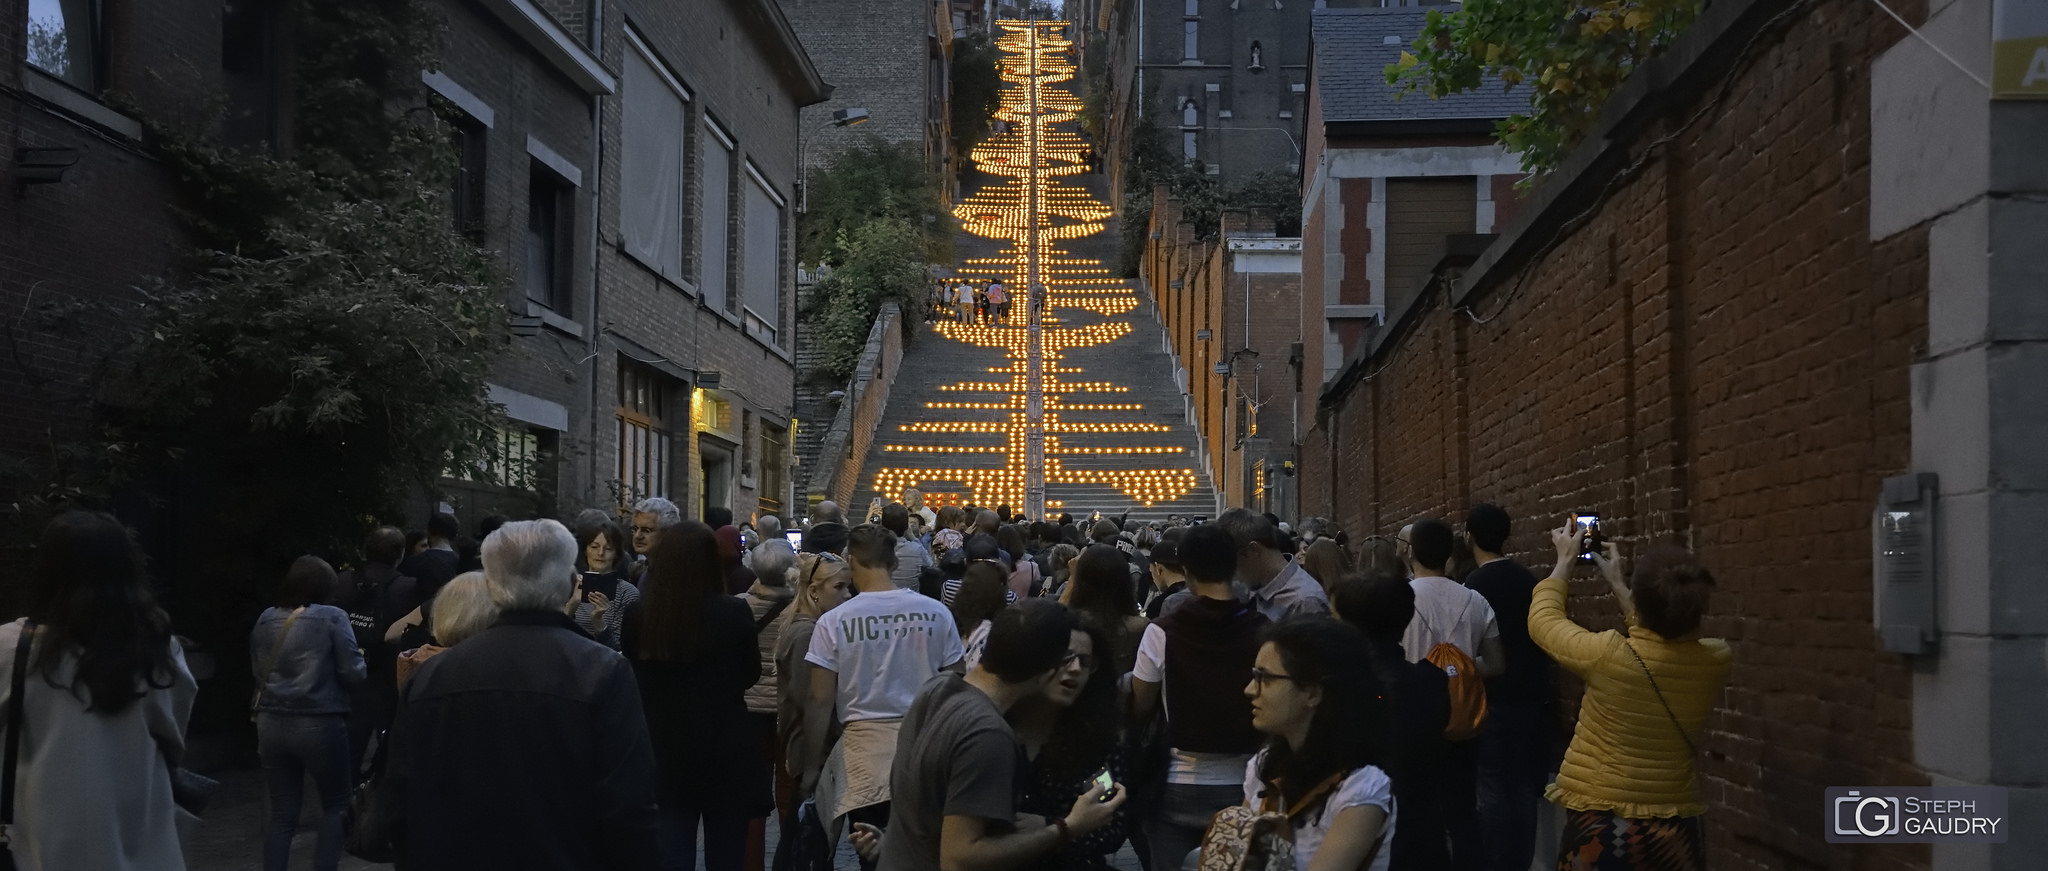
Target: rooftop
[{"x": 1352, "y": 50}]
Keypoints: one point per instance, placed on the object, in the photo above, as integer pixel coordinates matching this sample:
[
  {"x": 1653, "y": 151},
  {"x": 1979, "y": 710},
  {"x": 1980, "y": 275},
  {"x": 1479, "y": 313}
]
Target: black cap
[{"x": 1167, "y": 553}]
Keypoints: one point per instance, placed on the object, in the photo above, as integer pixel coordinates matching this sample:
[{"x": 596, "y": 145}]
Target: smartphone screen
[
  {"x": 796, "y": 538},
  {"x": 1108, "y": 784},
  {"x": 1588, "y": 525}
]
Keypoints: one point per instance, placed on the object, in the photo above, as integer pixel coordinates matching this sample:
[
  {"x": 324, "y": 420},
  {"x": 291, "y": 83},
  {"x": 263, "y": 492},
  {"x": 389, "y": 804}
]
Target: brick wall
[
  {"x": 1713, "y": 352},
  {"x": 845, "y": 446},
  {"x": 107, "y": 226},
  {"x": 1211, "y": 295},
  {"x": 734, "y": 83},
  {"x": 875, "y": 55}
]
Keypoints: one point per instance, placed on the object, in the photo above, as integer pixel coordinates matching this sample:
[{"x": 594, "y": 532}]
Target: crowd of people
[{"x": 943, "y": 688}]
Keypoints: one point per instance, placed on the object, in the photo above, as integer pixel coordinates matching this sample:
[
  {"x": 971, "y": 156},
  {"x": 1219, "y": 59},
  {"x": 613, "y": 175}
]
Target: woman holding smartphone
[{"x": 605, "y": 594}]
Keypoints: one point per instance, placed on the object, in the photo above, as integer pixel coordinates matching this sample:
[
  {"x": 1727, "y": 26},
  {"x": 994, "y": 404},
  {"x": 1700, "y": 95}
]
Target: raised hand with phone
[{"x": 1580, "y": 541}]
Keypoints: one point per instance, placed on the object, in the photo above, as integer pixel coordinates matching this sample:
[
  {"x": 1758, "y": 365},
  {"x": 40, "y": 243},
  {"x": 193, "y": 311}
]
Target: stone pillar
[{"x": 1968, "y": 171}]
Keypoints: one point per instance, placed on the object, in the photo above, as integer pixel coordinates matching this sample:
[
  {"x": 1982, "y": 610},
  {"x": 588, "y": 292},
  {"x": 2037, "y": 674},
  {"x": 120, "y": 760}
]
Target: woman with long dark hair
[
  {"x": 693, "y": 651},
  {"x": 305, "y": 658},
  {"x": 1100, "y": 588},
  {"x": 104, "y": 701},
  {"x": 606, "y": 596},
  {"x": 1069, "y": 734},
  {"x": 1324, "y": 764}
]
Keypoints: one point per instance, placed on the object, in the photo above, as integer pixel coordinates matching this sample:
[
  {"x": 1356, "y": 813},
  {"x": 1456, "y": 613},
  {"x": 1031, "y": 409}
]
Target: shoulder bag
[
  {"x": 270, "y": 668},
  {"x": 1660, "y": 697},
  {"x": 13, "y": 752}
]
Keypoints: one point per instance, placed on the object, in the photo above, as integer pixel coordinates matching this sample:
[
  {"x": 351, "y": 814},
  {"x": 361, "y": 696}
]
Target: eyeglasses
[
  {"x": 1263, "y": 677},
  {"x": 1086, "y": 660}
]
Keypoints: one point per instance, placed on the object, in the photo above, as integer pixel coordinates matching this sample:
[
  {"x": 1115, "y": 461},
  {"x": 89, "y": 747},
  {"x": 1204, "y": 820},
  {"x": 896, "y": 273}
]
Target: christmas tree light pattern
[{"x": 1032, "y": 156}]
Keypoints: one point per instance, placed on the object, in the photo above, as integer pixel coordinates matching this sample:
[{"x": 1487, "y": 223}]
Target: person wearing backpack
[
  {"x": 377, "y": 596},
  {"x": 1323, "y": 769},
  {"x": 1454, "y": 627},
  {"x": 1381, "y": 604},
  {"x": 1628, "y": 777},
  {"x": 1193, "y": 662}
]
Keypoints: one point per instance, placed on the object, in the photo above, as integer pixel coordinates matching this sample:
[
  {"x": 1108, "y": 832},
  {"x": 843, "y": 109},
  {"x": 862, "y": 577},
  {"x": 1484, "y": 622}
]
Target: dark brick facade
[
  {"x": 1713, "y": 352},
  {"x": 889, "y": 57}
]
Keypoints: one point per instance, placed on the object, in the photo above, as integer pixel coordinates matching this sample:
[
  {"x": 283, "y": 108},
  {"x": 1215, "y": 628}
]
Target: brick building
[
  {"x": 87, "y": 211},
  {"x": 1225, "y": 83},
  {"x": 695, "y": 344},
  {"x": 1388, "y": 178},
  {"x": 890, "y": 57},
  {"x": 633, "y": 163},
  {"x": 1792, "y": 278},
  {"x": 526, "y": 86},
  {"x": 1228, "y": 308}
]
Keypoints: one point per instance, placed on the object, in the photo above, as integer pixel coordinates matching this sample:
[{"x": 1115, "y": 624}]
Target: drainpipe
[{"x": 596, "y": 326}]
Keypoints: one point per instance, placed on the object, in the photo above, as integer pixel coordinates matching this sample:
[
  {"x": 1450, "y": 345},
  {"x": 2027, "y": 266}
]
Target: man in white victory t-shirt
[{"x": 868, "y": 657}]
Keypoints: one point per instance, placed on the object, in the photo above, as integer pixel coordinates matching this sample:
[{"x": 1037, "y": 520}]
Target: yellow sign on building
[{"x": 2019, "y": 49}]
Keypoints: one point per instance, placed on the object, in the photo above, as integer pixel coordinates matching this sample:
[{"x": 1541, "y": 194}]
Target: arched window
[{"x": 1190, "y": 114}]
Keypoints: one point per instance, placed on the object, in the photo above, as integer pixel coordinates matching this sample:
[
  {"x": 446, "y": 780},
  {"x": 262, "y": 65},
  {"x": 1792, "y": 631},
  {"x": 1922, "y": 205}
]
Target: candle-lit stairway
[{"x": 1116, "y": 434}]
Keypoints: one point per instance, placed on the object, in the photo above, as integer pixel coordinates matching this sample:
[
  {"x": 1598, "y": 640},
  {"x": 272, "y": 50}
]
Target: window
[
  {"x": 714, "y": 275},
  {"x": 1191, "y": 41},
  {"x": 466, "y": 198},
  {"x": 64, "y": 40},
  {"x": 763, "y": 270},
  {"x": 774, "y": 462},
  {"x": 1194, "y": 8},
  {"x": 644, "y": 437},
  {"x": 651, "y": 213},
  {"x": 1187, "y": 145},
  {"x": 1190, "y": 114},
  {"x": 550, "y": 212}
]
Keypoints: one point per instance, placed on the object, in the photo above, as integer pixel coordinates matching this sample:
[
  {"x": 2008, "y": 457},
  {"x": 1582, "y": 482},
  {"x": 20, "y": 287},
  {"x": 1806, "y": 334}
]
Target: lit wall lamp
[{"x": 43, "y": 165}]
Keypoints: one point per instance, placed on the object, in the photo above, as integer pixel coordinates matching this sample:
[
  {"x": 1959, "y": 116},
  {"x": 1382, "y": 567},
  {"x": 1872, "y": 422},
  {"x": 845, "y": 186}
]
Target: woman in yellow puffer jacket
[{"x": 1627, "y": 779}]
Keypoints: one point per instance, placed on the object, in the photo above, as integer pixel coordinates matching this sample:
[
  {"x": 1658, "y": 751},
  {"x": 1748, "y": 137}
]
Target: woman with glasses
[
  {"x": 823, "y": 581},
  {"x": 1326, "y": 723}
]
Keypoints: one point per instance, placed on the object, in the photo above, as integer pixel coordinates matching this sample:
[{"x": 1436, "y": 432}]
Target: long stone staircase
[{"x": 953, "y": 399}]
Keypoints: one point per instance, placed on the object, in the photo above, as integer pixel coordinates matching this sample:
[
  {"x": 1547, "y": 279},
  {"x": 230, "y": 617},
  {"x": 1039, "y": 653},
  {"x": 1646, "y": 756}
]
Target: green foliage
[
  {"x": 325, "y": 346},
  {"x": 874, "y": 263},
  {"x": 1274, "y": 192},
  {"x": 976, "y": 79},
  {"x": 869, "y": 182},
  {"x": 1569, "y": 57}
]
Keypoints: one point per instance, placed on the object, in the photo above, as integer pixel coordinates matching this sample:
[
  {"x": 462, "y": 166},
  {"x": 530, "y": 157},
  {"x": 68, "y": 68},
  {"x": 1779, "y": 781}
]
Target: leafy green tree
[
  {"x": 874, "y": 263},
  {"x": 1567, "y": 56},
  {"x": 872, "y": 181},
  {"x": 976, "y": 79},
  {"x": 1274, "y": 192}
]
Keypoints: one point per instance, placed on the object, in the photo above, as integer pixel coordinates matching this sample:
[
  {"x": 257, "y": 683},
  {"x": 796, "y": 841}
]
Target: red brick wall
[{"x": 1717, "y": 355}]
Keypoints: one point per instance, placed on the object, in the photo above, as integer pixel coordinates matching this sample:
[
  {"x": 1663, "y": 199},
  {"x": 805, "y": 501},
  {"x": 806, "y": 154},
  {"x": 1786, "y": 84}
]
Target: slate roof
[{"x": 1351, "y": 58}]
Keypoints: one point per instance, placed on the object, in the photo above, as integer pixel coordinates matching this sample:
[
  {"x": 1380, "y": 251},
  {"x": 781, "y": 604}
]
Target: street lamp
[{"x": 840, "y": 118}]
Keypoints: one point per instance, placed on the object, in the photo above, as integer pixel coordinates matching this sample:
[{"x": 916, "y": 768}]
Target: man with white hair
[{"x": 524, "y": 746}]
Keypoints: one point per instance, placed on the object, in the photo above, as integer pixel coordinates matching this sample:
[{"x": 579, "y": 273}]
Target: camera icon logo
[{"x": 1869, "y": 816}]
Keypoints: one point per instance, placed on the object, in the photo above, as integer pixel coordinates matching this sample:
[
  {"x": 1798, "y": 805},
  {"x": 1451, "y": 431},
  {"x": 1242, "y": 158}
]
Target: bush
[
  {"x": 873, "y": 181},
  {"x": 876, "y": 262}
]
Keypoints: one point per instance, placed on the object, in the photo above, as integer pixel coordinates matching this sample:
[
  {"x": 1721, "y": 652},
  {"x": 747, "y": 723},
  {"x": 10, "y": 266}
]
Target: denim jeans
[
  {"x": 1515, "y": 753},
  {"x": 1183, "y": 814},
  {"x": 725, "y": 838},
  {"x": 293, "y": 746}
]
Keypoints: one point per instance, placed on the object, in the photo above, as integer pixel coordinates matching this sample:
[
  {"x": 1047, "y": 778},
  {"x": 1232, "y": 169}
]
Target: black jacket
[
  {"x": 704, "y": 748},
  {"x": 523, "y": 748}
]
